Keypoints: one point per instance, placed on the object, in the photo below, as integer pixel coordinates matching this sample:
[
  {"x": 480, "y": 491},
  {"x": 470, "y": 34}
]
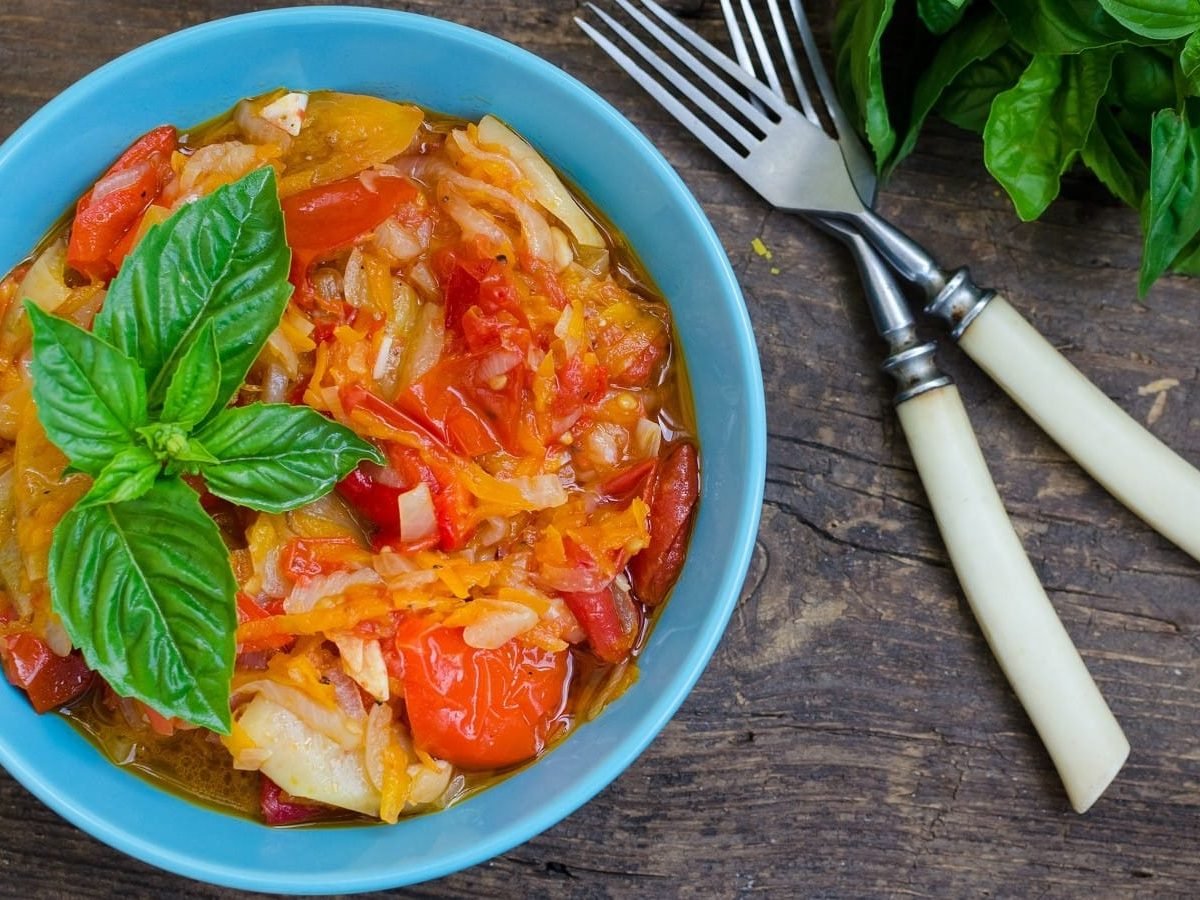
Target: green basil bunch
[
  {"x": 138, "y": 571},
  {"x": 1112, "y": 84}
]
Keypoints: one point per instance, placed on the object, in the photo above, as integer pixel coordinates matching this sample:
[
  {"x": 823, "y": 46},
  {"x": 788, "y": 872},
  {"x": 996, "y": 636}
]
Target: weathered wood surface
[{"x": 852, "y": 735}]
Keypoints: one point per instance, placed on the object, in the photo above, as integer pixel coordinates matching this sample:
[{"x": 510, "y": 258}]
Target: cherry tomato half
[{"x": 479, "y": 709}]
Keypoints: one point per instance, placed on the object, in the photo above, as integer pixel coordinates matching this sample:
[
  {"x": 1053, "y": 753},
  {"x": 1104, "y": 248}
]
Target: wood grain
[{"x": 852, "y": 736}]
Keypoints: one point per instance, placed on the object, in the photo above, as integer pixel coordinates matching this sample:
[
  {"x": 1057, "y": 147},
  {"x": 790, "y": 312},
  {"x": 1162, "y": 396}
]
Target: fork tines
[{"x": 725, "y": 104}]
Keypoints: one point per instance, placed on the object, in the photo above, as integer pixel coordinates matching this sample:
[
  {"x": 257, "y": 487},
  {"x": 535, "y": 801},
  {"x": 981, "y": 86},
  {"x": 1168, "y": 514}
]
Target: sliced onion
[
  {"x": 475, "y": 223},
  {"x": 362, "y": 666},
  {"x": 273, "y": 584},
  {"x": 354, "y": 280},
  {"x": 397, "y": 241},
  {"x": 499, "y": 362},
  {"x": 305, "y": 597},
  {"x": 534, "y": 226},
  {"x": 548, "y": 188},
  {"x": 332, "y": 723},
  {"x": 418, "y": 519},
  {"x": 475, "y": 153},
  {"x": 647, "y": 438},
  {"x": 425, "y": 347},
  {"x": 499, "y": 622},
  {"x": 422, "y": 278},
  {"x": 258, "y": 129},
  {"x": 540, "y": 491},
  {"x": 378, "y": 738},
  {"x": 43, "y": 283}
]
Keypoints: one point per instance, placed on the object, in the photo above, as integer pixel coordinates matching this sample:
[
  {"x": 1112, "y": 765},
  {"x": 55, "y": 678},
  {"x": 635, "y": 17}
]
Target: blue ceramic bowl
[{"x": 196, "y": 74}]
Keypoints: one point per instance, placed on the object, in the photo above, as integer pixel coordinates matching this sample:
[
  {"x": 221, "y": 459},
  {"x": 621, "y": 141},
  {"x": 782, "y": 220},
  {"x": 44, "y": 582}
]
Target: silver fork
[
  {"x": 1082, "y": 736},
  {"x": 796, "y": 166}
]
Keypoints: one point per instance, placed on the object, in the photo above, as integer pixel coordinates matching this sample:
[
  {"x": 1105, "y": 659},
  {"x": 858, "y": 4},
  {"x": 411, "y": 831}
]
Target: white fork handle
[
  {"x": 1042, "y": 665},
  {"x": 1136, "y": 467}
]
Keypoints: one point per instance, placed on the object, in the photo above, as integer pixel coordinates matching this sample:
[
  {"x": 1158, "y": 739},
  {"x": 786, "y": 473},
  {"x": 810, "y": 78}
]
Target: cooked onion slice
[
  {"x": 548, "y": 189},
  {"x": 418, "y": 519}
]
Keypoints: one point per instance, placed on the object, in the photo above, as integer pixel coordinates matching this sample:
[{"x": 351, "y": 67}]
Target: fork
[
  {"x": 797, "y": 167},
  {"x": 1082, "y": 736}
]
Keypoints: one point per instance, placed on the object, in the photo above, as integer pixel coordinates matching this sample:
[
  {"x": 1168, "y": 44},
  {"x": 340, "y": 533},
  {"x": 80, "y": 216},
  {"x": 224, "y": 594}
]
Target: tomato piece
[
  {"x": 628, "y": 481},
  {"x": 101, "y": 222},
  {"x": 48, "y": 679},
  {"x": 609, "y": 619},
  {"x": 672, "y": 501},
  {"x": 432, "y": 463},
  {"x": 378, "y": 502},
  {"x": 330, "y": 216},
  {"x": 479, "y": 709},
  {"x": 307, "y": 557}
]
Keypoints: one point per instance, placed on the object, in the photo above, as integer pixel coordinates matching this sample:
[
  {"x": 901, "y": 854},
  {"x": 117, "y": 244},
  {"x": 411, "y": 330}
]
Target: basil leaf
[
  {"x": 859, "y": 28},
  {"x": 967, "y": 101},
  {"x": 197, "y": 379},
  {"x": 975, "y": 40},
  {"x": 128, "y": 475},
  {"x": 1062, "y": 26},
  {"x": 1171, "y": 216},
  {"x": 89, "y": 395},
  {"x": 1162, "y": 20},
  {"x": 221, "y": 259},
  {"x": 940, "y": 16},
  {"x": 1036, "y": 128},
  {"x": 274, "y": 457},
  {"x": 1189, "y": 64},
  {"x": 145, "y": 590},
  {"x": 1114, "y": 160}
]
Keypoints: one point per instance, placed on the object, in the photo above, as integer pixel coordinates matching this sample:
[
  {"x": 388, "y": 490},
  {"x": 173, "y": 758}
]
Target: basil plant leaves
[{"x": 138, "y": 571}]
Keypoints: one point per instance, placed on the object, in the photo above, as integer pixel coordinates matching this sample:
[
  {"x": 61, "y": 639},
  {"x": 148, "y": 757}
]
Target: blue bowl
[{"x": 195, "y": 74}]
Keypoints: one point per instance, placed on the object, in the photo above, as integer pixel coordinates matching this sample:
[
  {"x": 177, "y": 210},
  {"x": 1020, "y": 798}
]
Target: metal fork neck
[{"x": 906, "y": 256}]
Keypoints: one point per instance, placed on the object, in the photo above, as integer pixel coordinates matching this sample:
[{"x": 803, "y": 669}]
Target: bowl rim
[{"x": 724, "y": 594}]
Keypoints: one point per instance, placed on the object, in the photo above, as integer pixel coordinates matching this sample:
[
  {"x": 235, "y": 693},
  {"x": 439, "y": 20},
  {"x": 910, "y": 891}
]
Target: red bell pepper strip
[
  {"x": 281, "y": 809},
  {"x": 50, "y": 680},
  {"x": 331, "y": 216},
  {"x": 102, "y": 222},
  {"x": 609, "y": 619},
  {"x": 378, "y": 502},
  {"x": 672, "y": 502}
]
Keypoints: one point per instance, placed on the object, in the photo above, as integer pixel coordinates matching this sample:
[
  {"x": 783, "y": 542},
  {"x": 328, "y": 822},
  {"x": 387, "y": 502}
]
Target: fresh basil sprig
[
  {"x": 1111, "y": 84},
  {"x": 138, "y": 571}
]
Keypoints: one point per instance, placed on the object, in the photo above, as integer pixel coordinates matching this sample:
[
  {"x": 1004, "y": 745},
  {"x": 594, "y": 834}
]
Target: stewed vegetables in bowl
[{"x": 353, "y": 462}]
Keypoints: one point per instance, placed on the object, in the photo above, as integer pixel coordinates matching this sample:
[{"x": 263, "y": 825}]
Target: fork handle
[
  {"x": 1083, "y": 738},
  {"x": 1136, "y": 467}
]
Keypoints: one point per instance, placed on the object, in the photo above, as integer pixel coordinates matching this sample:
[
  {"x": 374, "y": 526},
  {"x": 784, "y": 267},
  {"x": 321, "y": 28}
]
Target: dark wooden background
[{"x": 852, "y": 735}]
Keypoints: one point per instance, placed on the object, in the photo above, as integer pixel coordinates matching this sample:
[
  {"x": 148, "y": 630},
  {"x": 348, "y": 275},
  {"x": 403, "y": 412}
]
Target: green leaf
[
  {"x": 1162, "y": 20},
  {"x": 940, "y": 16},
  {"x": 967, "y": 100},
  {"x": 128, "y": 475},
  {"x": 1189, "y": 64},
  {"x": 89, "y": 395},
  {"x": 145, "y": 590},
  {"x": 221, "y": 259},
  {"x": 1171, "y": 216},
  {"x": 1114, "y": 160},
  {"x": 977, "y": 39},
  {"x": 859, "y": 29},
  {"x": 1036, "y": 129},
  {"x": 1188, "y": 260},
  {"x": 1062, "y": 26},
  {"x": 197, "y": 379},
  {"x": 275, "y": 457}
]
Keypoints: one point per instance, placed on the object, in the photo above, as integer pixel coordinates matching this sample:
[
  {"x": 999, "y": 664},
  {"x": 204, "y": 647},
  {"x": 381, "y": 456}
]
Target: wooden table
[{"x": 852, "y": 735}]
